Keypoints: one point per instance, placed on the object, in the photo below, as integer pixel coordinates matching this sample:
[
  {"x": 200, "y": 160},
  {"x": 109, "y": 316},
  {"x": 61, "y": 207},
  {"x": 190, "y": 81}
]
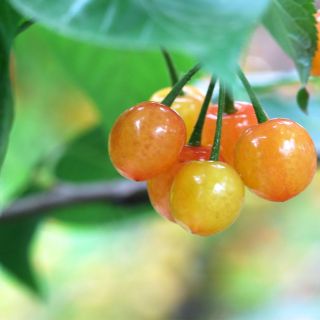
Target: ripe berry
[
  {"x": 160, "y": 186},
  {"x": 276, "y": 159},
  {"x": 232, "y": 126},
  {"x": 146, "y": 140},
  {"x": 188, "y": 105},
  {"x": 206, "y": 197}
]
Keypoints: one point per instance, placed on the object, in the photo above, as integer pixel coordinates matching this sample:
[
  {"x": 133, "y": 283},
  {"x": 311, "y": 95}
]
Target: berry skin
[
  {"x": 188, "y": 106},
  {"x": 315, "y": 68},
  {"x": 146, "y": 140},
  {"x": 206, "y": 197},
  {"x": 276, "y": 159},
  {"x": 160, "y": 186},
  {"x": 232, "y": 126}
]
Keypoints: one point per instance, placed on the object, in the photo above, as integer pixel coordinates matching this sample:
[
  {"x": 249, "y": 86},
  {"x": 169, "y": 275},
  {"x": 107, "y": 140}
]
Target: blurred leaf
[
  {"x": 8, "y": 24},
  {"x": 208, "y": 30},
  {"x": 279, "y": 106},
  {"x": 292, "y": 24},
  {"x": 114, "y": 79},
  {"x": 9, "y": 20},
  {"x": 15, "y": 239},
  {"x": 87, "y": 159},
  {"x": 50, "y": 111},
  {"x": 24, "y": 25},
  {"x": 303, "y": 99},
  {"x": 91, "y": 214}
]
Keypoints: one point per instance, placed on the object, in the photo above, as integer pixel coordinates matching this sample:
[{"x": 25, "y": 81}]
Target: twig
[{"x": 66, "y": 194}]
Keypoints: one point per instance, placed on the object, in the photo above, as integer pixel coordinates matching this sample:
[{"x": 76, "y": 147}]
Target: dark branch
[{"x": 66, "y": 194}]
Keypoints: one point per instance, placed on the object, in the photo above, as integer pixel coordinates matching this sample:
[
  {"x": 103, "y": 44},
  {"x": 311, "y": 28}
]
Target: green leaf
[
  {"x": 96, "y": 214},
  {"x": 114, "y": 79},
  {"x": 9, "y": 20},
  {"x": 87, "y": 159},
  {"x": 209, "y": 30},
  {"x": 303, "y": 99},
  {"x": 50, "y": 111},
  {"x": 292, "y": 24},
  {"x": 15, "y": 239}
]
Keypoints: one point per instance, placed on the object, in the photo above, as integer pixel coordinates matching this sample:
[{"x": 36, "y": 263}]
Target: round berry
[
  {"x": 276, "y": 159},
  {"x": 160, "y": 186},
  {"x": 146, "y": 140},
  {"x": 188, "y": 105},
  {"x": 206, "y": 197}
]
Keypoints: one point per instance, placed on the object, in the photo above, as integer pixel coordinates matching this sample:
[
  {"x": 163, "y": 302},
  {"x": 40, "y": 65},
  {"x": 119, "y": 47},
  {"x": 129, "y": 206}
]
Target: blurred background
[{"x": 108, "y": 261}]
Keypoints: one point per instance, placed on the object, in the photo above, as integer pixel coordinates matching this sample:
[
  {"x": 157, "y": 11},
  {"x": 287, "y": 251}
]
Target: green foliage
[
  {"x": 213, "y": 31},
  {"x": 118, "y": 66},
  {"x": 303, "y": 99},
  {"x": 46, "y": 102},
  {"x": 9, "y": 20},
  {"x": 15, "y": 238},
  {"x": 292, "y": 24},
  {"x": 97, "y": 214},
  {"x": 114, "y": 79},
  {"x": 87, "y": 159}
]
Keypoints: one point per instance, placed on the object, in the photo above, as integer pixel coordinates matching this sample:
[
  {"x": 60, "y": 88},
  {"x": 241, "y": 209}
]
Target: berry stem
[
  {"x": 195, "y": 138},
  {"x": 260, "y": 114},
  {"x": 229, "y": 104},
  {"x": 221, "y": 105},
  {"x": 170, "y": 66},
  {"x": 168, "y": 100}
]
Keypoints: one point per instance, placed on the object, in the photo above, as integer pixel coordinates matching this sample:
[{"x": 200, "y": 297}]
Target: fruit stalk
[
  {"x": 195, "y": 138},
  {"x": 260, "y": 114},
  {"x": 168, "y": 100},
  {"x": 229, "y": 104},
  {"x": 221, "y": 104},
  {"x": 170, "y": 66}
]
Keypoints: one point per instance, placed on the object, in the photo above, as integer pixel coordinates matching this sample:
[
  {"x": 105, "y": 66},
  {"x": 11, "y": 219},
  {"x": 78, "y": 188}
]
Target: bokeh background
[{"x": 108, "y": 262}]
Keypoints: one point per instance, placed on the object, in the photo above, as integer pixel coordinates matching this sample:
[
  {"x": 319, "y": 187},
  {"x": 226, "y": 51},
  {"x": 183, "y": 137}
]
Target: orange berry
[
  {"x": 146, "y": 140},
  {"x": 276, "y": 159}
]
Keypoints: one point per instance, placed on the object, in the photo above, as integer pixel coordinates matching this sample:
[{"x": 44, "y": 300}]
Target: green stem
[
  {"x": 171, "y": 67},
  {"x": 221, "y": 104},
  {"x": 229, "y": 105},
  {"x": 260, "y": 114},
  {"x": 168, "y": 100},
  {"x": 195, "y": 138}
]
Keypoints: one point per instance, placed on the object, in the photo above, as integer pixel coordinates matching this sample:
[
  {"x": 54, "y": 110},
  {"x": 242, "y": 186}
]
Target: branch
[{"x": 67, "y": 194}]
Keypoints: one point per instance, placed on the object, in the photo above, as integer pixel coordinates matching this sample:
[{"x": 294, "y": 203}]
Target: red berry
[{"x": 232, "y": 126}]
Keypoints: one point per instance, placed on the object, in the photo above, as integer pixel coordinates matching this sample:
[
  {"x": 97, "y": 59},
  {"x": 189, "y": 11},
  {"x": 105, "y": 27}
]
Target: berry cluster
[{"x": 202, "y": 189}]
